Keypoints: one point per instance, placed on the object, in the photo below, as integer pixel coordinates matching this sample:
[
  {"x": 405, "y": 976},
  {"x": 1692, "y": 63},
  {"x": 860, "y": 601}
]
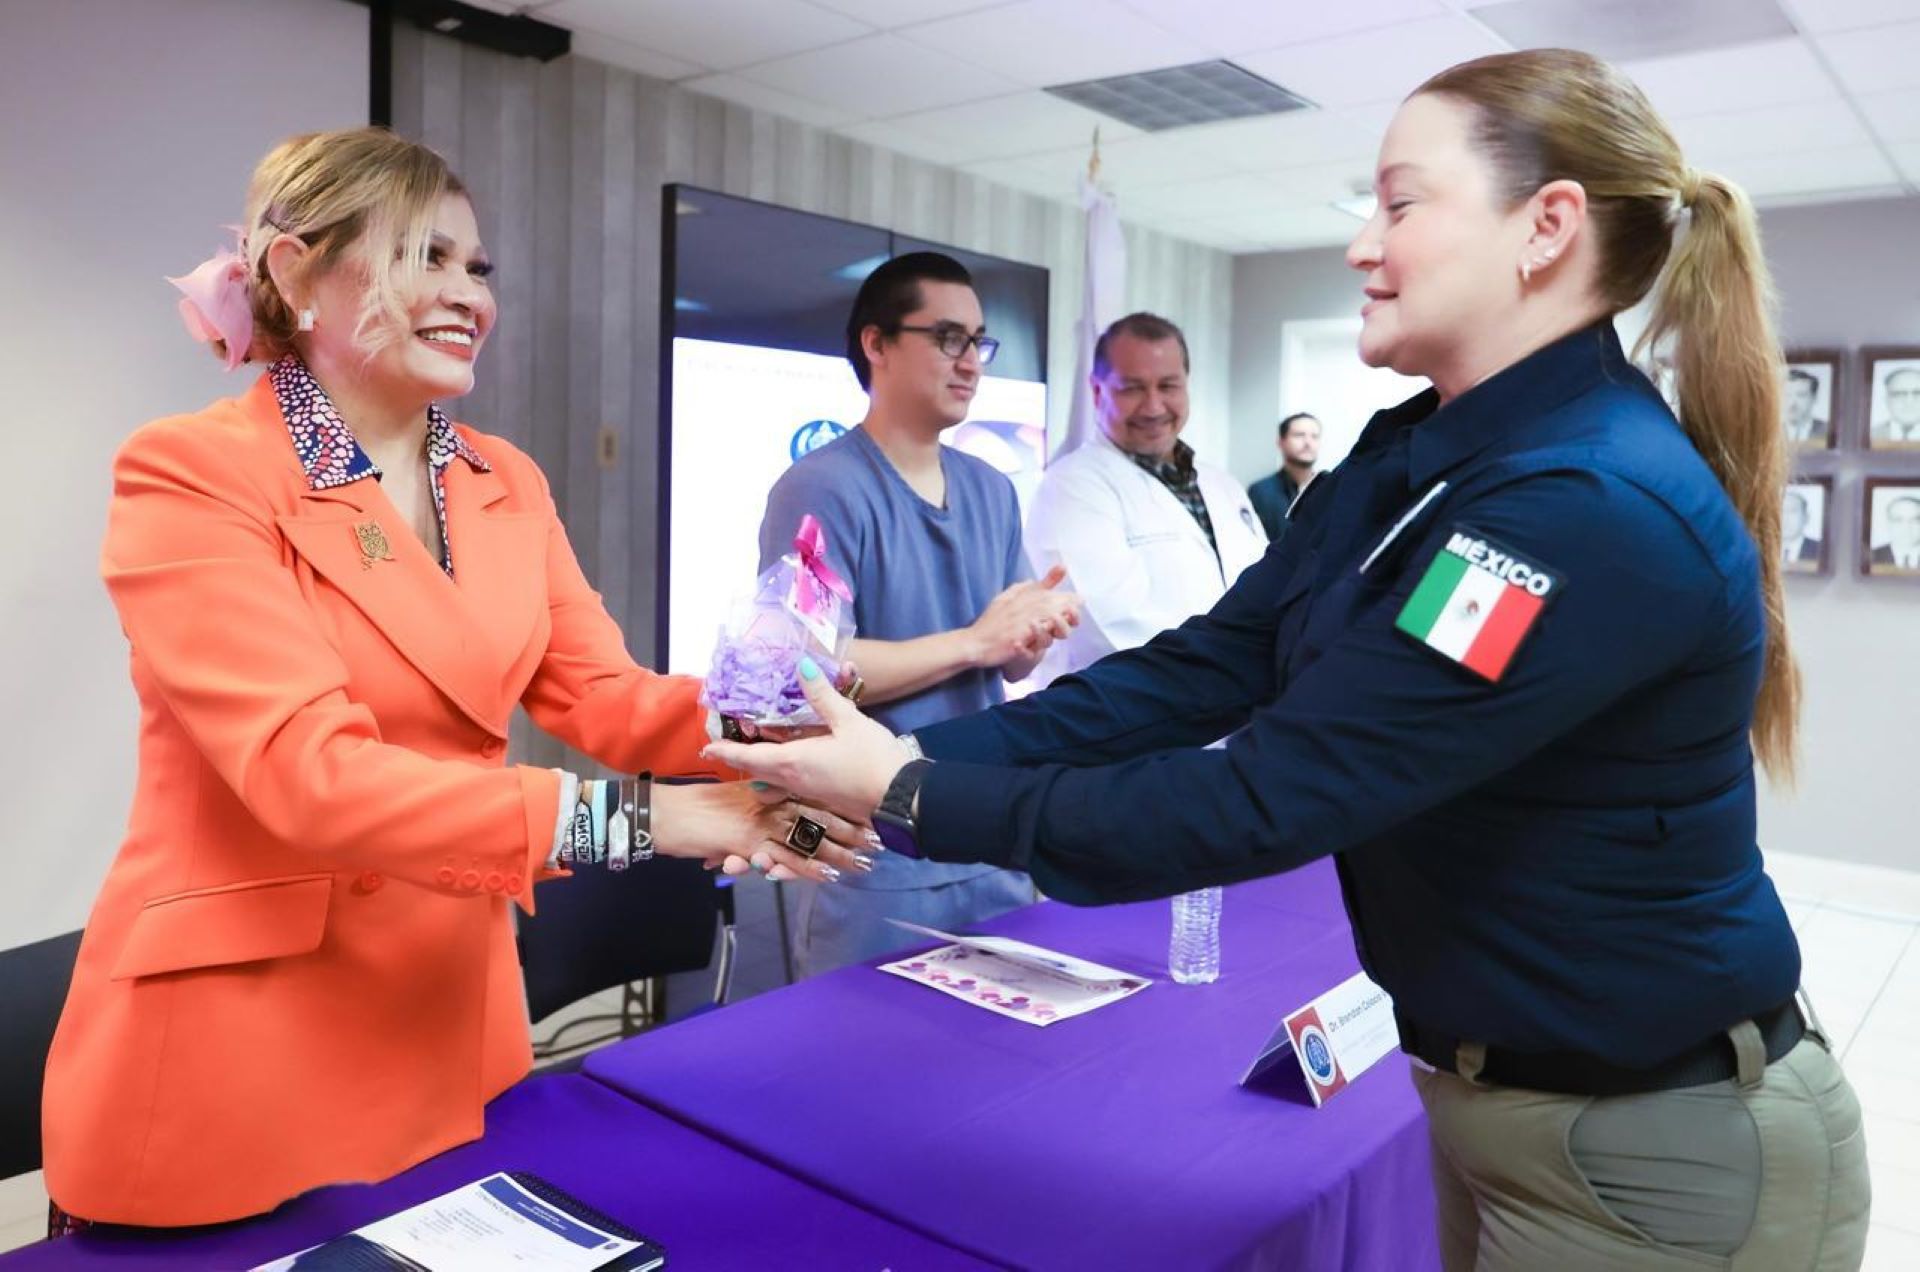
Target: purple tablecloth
[
  {"x": 711, "y": 1207},
  {"x": 1113, "y": 1140}
]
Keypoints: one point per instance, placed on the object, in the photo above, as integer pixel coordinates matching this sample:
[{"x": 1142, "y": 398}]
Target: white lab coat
[{"x": 1135, "y": 555}]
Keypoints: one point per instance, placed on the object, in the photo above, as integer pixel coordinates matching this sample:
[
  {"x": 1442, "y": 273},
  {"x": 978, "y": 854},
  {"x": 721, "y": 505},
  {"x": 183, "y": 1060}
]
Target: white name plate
[{"x": 1331, "y": 1041}]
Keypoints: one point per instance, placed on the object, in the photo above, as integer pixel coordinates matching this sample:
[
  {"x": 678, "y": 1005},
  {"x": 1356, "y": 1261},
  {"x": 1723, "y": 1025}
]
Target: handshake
[{"x": 808, "y": 812}]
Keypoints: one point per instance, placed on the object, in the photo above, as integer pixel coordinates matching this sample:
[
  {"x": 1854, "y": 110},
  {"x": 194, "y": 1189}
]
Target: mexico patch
[{"x": 1476, "y": 603}]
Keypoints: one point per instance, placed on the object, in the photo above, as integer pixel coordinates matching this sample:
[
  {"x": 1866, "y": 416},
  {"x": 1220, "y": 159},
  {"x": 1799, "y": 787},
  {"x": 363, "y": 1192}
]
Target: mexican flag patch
[{"x": 1476, "y": 603}]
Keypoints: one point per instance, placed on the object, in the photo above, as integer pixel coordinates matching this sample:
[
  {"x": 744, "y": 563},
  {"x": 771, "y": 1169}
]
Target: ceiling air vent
[{"x": 1181, "y": 96}]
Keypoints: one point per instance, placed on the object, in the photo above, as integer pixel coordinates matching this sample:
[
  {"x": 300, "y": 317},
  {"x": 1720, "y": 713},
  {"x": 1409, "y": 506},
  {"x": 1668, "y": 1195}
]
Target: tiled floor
[{"x": 1859, "y": 929}]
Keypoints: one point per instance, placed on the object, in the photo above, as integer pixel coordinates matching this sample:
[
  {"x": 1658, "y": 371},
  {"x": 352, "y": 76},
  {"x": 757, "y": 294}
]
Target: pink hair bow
[
  {"x": 214, "y": 302},
  {"x": 816, "y": 578}
]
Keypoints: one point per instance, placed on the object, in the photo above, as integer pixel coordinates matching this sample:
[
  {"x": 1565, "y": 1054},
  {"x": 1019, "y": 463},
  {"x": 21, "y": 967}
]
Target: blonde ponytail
[
  {"x": 1556, "y": 114},
  {"x": 1712, "y": 314}
]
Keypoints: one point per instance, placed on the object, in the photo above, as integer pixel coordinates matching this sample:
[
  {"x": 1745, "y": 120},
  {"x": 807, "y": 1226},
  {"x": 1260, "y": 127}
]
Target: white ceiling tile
[
  {"x": 1305, "y": 227},
  {"x": 1292, "y": 140},
  {"x": 1243, "y": 195},
  {"x": 1022, "y": 174},
  {"x": 1633, "y": 30},
  {"x": 997, "y": 128},
  {"x": 1877, "y": 59},
  {"x": 1894, "y": 116},
  {"x": 1812, "y": 171},
  {"x": 888, "y": 137},
  {"x": 1373, "y": 66},
  {"x": 604, "y": 48},
  {"x": 1907, "y": 155},
  {"x": 1040, "y": 42},
  {"x": 1774, "y": 73},
  {"x": 1712, "y": 140},
  {"x": 748, "y": 93},
  {"x": 722, "y": 34},
  {"x": 1843, "y": 15},
  {"x": 890, "y": 14},
  {"x": 1228, "y": 27},
  {"x": 1155, "y": 159},
  {"x": 880, "y": 75}
]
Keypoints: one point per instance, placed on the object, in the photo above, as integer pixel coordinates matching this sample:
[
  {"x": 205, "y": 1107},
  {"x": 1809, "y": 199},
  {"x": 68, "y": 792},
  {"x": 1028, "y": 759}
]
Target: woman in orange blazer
[{"x": 301, "y": 968}]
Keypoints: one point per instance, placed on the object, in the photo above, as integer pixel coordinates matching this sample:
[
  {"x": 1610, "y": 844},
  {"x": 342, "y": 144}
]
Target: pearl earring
[{"x": 306, "y": 320}]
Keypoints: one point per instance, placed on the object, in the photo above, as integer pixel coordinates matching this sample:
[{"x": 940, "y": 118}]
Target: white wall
[
  {"x": 1843, "y": 279},
  {"x": 131, "y": 127}
]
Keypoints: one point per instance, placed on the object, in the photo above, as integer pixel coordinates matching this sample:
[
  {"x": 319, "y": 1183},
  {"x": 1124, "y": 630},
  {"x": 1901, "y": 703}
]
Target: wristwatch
[{"x": 893, "y": 820}]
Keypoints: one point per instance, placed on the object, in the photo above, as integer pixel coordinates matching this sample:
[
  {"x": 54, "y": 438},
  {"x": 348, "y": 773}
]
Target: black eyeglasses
[{"x": 953, "y": 339}]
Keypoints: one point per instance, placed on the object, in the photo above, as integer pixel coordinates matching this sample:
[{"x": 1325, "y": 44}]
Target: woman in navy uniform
[{"x": 1512, "y": 663}]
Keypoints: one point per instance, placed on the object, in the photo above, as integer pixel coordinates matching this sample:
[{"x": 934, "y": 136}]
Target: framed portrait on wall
[
  {"x": 1890, "y": 515},
  {"x": 1893, "y": 397},
  {"x": 1806, "y": 523},
  {"x": 1809, "y": 400}
]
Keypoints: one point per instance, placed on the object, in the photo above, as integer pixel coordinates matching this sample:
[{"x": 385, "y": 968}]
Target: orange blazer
[{"x": 301, "y": 967}]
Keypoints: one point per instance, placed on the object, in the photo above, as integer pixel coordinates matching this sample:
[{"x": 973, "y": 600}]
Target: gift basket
[{"x": 800, "y": 608}]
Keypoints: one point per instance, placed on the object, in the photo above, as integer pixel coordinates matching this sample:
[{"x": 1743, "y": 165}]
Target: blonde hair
[
  {"x": 1555, "y": 114},
  {"x": 347, "y": 195}
]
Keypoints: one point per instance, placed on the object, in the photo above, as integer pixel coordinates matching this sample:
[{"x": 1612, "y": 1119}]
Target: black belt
[{"x": 1575, "y": 1073}]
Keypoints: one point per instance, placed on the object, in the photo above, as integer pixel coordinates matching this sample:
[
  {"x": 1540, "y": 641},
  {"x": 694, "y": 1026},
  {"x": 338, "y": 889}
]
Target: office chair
[
  {"x": 601, "y": 930},
  {"x": 35, "y": 977}
]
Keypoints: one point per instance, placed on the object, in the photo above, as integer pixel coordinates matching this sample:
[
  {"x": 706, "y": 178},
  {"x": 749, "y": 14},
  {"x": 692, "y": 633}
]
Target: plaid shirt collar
[
  {"x": 329, "y": 455},
  {"x": 1176, "y": 470}
]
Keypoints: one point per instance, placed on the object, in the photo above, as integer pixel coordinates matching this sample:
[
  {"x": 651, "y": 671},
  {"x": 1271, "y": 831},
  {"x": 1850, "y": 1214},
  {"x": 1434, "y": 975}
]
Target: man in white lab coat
[{"x": 1148, "y": 535}]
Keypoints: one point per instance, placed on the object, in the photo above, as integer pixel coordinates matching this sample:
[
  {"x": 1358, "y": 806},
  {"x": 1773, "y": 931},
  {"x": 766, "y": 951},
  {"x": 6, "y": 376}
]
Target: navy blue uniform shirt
[{"x": 1560, "y": 860}]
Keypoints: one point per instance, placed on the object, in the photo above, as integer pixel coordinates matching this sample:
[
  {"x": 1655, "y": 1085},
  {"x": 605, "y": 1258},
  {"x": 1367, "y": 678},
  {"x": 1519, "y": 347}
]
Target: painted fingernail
[
  {"x": 829, "y": 874},
  {"x": 874, "y": 841},
  {"x": 760, "y": 786},
  {"x": 863, "y": 863},
  {"x": 809, "y": 669}
]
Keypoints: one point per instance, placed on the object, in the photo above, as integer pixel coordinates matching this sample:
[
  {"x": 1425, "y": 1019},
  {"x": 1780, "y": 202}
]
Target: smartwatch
[{"x": 893, "y": 820}]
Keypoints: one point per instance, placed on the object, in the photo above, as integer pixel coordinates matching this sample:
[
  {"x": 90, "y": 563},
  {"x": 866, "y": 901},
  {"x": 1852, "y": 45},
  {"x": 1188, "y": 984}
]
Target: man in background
[
  {"x": 1798, "y": 549},
  {"x": 945, "y": 609},
  {"x": 1901, "y": 427},
  {"x": 1901, "y": 551},
  {"x": 1299, "y": 445},
  {"x": 1796, "y": 409},
  {"x": 1149, "y": 535}
]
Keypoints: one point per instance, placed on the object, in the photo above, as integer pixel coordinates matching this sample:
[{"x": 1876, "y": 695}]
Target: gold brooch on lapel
[{"x": 373, "y": 544}]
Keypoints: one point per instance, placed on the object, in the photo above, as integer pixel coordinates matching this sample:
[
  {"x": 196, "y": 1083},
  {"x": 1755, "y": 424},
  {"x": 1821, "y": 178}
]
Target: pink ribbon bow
[
  {"x": 816, "y": 577},
  {"x": 214, "y": 302}
]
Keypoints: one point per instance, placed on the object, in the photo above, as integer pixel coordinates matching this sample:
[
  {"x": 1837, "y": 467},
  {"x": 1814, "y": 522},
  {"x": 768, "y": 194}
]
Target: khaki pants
[{"x": 1764, "y": 1176}]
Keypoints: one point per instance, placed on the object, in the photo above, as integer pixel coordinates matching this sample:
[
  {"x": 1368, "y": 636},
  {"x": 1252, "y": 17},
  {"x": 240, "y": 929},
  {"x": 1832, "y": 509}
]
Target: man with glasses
[
  {"x": 1148, "y": 535},
  {"x": 945, "y": 608}
]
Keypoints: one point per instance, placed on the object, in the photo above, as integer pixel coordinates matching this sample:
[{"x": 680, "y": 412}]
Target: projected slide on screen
[{"x": 741, "y": 415}]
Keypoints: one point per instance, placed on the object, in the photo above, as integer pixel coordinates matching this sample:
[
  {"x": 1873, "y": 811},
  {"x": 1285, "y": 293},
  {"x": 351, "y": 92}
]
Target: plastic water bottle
[{"x": 1194, "y": 958}]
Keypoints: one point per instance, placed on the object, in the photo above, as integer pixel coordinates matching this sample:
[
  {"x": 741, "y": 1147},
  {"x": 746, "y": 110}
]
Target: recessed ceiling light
[
  {"x": 1626, "y": 30},
  {"x": 1360, "y": 206}
]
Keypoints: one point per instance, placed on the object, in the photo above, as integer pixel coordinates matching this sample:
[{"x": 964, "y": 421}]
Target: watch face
[{"x": 896, "y": 834}]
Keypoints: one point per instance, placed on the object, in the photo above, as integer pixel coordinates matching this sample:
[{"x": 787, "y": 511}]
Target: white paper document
[
  {"x": 491, "y": 1225},
  {"x": 1013, "y": 978}
]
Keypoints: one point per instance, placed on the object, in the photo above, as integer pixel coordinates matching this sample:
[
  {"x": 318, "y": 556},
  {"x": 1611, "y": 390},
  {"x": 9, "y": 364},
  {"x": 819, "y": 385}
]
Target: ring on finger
[{"x": 805, "y": 836}]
